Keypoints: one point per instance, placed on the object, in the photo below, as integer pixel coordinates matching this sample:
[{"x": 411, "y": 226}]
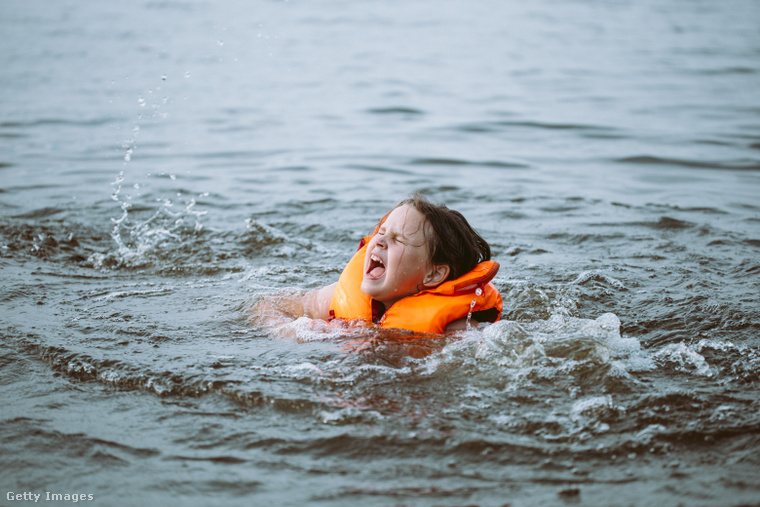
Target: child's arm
[
  {"x": 287, "y": 306},
  {"x": 316, "y": 304}
]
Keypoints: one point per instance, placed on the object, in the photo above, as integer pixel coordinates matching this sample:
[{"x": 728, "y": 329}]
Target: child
[{"x": 423, "y": 269}]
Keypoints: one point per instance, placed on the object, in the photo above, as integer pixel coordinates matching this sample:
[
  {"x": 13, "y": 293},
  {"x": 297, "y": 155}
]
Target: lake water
[{"x": 165, "y": 164}]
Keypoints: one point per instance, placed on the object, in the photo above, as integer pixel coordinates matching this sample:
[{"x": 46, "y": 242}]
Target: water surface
[{"x": 164, "y": 165}]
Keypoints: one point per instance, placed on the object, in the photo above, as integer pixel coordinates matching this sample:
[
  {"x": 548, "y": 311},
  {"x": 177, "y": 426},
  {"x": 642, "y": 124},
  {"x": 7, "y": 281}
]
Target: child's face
[{"x": 397, "y": 259}]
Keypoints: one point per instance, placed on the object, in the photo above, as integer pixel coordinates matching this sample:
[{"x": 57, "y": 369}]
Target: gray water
[{"x": 164, "y": 165}]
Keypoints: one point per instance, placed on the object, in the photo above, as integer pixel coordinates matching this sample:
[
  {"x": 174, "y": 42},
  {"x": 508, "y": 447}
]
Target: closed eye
[
  {"x": 392, "y": 236},
  {"x": 397, "y": 238}
]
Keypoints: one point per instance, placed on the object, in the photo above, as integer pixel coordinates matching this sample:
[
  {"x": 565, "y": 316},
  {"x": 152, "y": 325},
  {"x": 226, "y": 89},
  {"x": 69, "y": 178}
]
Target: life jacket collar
[{"x": 477, "y": 277}]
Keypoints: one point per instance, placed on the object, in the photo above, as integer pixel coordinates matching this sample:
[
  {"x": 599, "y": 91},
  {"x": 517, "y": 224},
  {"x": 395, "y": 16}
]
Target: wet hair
[{"x": 453, "y": 241}]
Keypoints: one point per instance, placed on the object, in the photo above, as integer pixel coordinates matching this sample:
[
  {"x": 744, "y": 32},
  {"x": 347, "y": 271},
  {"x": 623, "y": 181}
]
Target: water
[{"x": 165, "y": 165}]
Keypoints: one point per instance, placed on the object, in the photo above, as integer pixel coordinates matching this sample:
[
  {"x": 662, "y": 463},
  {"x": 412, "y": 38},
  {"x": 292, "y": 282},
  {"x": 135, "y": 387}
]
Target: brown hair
[{"x": 453, "y": 242}]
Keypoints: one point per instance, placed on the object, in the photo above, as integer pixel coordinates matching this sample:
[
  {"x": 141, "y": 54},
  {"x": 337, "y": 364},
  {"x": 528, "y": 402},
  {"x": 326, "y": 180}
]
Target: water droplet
[
  {"x": 163, "y": 77},
  {"x": 187, "y": 73},
  {"x": 220, "y": 42}
]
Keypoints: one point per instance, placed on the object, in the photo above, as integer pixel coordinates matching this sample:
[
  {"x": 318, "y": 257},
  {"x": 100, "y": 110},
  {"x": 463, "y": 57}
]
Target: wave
[
  {"x": 101, "y": 451},
  {"x": 563, "y": 383},
  {"x": 666, "y": 223}
]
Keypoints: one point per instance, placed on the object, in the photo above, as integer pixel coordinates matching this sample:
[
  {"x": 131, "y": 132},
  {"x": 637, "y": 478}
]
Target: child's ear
[{"x": 437, "y": 275}]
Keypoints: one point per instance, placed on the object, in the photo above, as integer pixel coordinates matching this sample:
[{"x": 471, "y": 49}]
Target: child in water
[{"x": 423, "y": 269}]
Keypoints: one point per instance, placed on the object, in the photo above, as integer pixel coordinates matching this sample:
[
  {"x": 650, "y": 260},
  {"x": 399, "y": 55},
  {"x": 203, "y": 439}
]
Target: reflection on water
[{"x": 162, "y": 174}]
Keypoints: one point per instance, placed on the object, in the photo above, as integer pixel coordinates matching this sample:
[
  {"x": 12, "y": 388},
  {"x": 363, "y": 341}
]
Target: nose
[{"x": 380, "y": 241}]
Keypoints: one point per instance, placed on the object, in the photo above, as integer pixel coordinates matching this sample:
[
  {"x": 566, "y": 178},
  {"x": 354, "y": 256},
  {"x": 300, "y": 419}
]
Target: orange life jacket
[{"x": 428, "y": 311}]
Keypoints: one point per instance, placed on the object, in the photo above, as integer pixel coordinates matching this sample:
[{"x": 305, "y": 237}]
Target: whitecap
[
  {"x": 600, "y": 276},
  {"x": 683, "y": 358}
]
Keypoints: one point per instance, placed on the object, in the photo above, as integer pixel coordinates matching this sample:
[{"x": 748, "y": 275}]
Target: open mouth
[{"x": 376, "y": 267}]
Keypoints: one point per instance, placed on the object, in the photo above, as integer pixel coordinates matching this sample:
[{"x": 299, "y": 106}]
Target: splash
[
  {"x": 584, "y": 351},
  {"x": 140, "y": 242}
]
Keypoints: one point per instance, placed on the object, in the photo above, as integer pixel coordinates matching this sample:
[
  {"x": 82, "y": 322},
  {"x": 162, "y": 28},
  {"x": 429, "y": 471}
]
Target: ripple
[
  {"x": 739, "y": 165},
  {"x": 455, "y": 161},
  {"x": 492, "y": 126},
  {"x": 40, "y": 213},
  {"x": 407, "y": 111},
  {"x": 45, "y": 122}
]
